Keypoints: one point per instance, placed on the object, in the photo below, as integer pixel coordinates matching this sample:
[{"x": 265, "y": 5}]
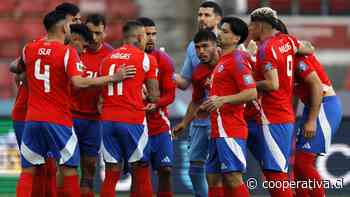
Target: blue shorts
[
  {"x": 40, "y": 138},
  {"x": 226, "y": 155},
  {"x": 123, "y": 142},
  {"x": 89, "y": 136},
  {"x": 328, "y": 121},
  {"x": 253, "y": 139},
  {"x": 161, "y": 150},
  {"x": 198, "y": 143},
  {"x": 18, "y": 126}
]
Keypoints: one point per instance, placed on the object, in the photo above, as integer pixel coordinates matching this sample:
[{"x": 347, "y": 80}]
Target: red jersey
[
  {"x": 304, "y": 66},
  {"x": 19, "y": 110},
  {"x": 122, "y": 101},
  {"x": 49, "y": 67},
  {"x": 157, "y": 121},
  {"x": 201, "y": 80},
  {"x": 277, "y": 52},
  {"x": 230, "y": 76},
  {"x": 85, "y": 100}
]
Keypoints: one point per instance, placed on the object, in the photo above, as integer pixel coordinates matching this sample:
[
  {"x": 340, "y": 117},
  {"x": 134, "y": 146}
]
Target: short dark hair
[
  {"x": 146, "y": 22},
  {"x": 130, "y": 26},
  {"x": 216, "y": 7},
  {"x": 96, "y": 19},
  {"x": 204, "y": 35},
  {"x": 280, "y": 26},
  {"x": 68, "y": 8},
  {"x": 83, "y": 31},
  {"x": 237, "y": 26},
  {"x": 264, "y": 14},
  {"x": 52, "y": 18}
]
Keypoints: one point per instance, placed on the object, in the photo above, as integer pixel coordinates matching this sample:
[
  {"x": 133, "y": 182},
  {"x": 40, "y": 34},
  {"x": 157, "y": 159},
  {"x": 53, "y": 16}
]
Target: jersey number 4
[
  {"x": 111, "y": 85},
  {"x": 42, "y": 76}
]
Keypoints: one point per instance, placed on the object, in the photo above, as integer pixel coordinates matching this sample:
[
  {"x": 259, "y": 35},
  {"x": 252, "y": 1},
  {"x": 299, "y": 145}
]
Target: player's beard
[{"x": 149, "y": 47}]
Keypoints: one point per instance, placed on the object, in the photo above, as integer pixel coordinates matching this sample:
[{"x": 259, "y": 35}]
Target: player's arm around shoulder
[{"x": 151, "y": 80}]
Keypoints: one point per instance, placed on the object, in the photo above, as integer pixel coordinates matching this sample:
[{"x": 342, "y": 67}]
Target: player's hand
[
  {"x": 150, "y": 107},
  {"x": 124, "y": 72},
  {"x": 178, "y": 130},
  {"x": 213, "y": 103},
  {"x": 309, "y": 129},
  {"x": 20, "y": 78}
]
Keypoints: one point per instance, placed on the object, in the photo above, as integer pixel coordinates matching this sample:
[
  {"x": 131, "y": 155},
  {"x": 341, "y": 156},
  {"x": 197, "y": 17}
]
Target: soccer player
[
  {"x": 86, "y": 117},
  {"x": 232, "y": 86},
  {"x": 157, "y": 115},
  {"x": 50, "y": 66},
  {"x": 322, "y": 107},
  {"x": 45, "y": 175},
  {"x": 209, "y": 16},
  {"x": 274, "y": 76},
  {"x": 125, "y": 134}
]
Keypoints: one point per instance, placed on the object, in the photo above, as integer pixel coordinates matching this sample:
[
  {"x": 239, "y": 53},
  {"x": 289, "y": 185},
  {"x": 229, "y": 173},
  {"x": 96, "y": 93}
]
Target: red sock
[
  {"x": 50, "y": 183},
  {"x": 305, "y": 170},
  {"x": 71, "y": 186},
  {"x": 281, "y": 177},
  {"x": 143, "y": 185},
  {"x": 60, "y": 192},
  {"x": 24, "y": 185},
  {"x": 39, "y": 180},
  {"x": 87, "y": 194},
  {"x": 240, "y": 191},
  {"x": 165, "y": 194},
  {"x": 108, "y": 185},
  {"x": 216, "y": 192}
]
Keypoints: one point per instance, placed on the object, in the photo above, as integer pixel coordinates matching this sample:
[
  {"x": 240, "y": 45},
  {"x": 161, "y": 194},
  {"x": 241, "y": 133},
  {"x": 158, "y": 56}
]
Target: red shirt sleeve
[
  {"x": 167, "y": 83},
  {"x": 295, "y": 43},
  {"x": 150, "y": 67},
  {"x": 304, "y": 67},
  {"x": 268, "y": 58},
  {"x": 243, "y": 75},
  {"x": 72, "y": 63}
]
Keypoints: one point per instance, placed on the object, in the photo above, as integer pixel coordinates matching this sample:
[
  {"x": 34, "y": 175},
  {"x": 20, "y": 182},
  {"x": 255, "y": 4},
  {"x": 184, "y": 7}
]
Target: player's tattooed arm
[
  {"x": 215, "y": 102},
  {"x": 315, "y": 88},
  {"x": 305, "y": 48},
  {"x": 121, "y": 74},
  {"x": 152, "y": 86},
  {"x": 187, "y": 119},
  {"x": 17, "y": 66},
  {"x": 271, "y": 82}
]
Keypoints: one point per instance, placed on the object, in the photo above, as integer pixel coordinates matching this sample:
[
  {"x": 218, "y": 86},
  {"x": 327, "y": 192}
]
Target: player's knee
[
  {"x": 89, "y": 167},
  {"x": 214, "y": 180},
  {"x": 232, "y": 179},
  {"x": 68, "y": 170}
]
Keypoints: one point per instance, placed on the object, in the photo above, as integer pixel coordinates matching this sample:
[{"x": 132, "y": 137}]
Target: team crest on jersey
[
  {"x": 220, "y": 68},
  {"x": 302, "y": 66},
  {"x": 248, "y": 79},
  {"x": 268, "y": 66}
]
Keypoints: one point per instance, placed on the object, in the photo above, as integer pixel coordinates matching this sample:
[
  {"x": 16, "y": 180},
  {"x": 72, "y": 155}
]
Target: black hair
[
  {"x": 52, "y": 18},
  {"x": 68, "y": 8},
  {"x": 280, "y": 26},
  {"x": 204, "y": 35},
  {"x": 96, "y": 19},
  {"x": 216, "y": 7},
  {"x": 146, "y": 22},
  {"x": 83, "y": 31},
  {"x": 130, "y": 26},
  {"x": 237, "y": 26},
  {"x": 265, "y": 14}
]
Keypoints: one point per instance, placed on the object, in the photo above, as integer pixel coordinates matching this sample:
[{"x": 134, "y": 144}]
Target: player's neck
[
  {"x": 266, "y": 34},
  {"x": 228, "y": 50},
  {"x": 54, "y": 37}
]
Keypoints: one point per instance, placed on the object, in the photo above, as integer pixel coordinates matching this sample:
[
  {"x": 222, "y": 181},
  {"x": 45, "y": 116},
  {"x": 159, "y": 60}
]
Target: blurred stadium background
[{"x": 326, "y": 23}]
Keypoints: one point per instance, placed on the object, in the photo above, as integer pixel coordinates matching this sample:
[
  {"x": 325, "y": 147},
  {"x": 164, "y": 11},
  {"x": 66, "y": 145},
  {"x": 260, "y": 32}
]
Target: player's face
[
  {"x": 151, "y": 35},
  {"x": 255, "y": 29},
  {"x": 78, "y": 42},
  {"x": 226, "y": 37},
  {"x": 98, "y": 33},
  {"x": 205, "y": 51},
  {"x": 207, "y": 18},
  {"x": 141, "y": 36}
]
